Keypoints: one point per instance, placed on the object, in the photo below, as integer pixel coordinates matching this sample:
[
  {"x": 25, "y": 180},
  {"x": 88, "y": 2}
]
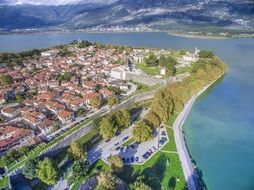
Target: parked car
[
  {"x": 163, "y": 133},
  {"x": 117, "y": 144},
  {"x": 117, "y": 148},
  {"x": 125, "y": 149},
  {"x": 136, "y": 159},
  {"x": 125, "y": 138}
]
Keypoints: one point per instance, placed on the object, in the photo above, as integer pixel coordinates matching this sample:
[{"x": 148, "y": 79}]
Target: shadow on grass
[{"x": 154, "y": 174}]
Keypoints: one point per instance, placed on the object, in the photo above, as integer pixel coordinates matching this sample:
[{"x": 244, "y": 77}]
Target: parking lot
[{"x": 134, "y": 153}]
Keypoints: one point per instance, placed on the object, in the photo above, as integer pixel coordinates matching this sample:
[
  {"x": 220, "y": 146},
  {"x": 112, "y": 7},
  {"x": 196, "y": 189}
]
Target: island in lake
[{"x": 89, "y": 115}]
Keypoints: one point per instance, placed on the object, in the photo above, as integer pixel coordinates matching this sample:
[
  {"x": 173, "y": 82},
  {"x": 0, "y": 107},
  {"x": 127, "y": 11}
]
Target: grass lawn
[
  {"x": 182, "y": 70},
  {"x": 171, "y": 120},
  {"x": 170, "y": 146},
  {"x": 161, "y": 172},
  {"x": 149, "y": 70},
  {"x": 88, "y": 139},
  {"x": 3, "y": 182},
  {"x": 96, "y": 167},
  {"x": 130, "y": 141}
]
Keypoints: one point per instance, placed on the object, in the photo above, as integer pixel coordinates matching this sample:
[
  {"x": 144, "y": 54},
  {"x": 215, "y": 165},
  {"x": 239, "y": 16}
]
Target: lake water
[{"x": 220, "y": 128}]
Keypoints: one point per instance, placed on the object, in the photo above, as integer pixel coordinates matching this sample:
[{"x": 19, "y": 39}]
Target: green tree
[
  {"x": 77, "y": 151},
  {"x": 126, "y": 117},
  {"x": 122, "y": 118},
  {"x": 19, "y": 98},
  {"x": 29, "y": 170},
  {"x": 152, "y": 119},
  {"x": 46, "y": 172},
  {"x": 171, "y": 70},
  {"x": 113, "y": 101},
  {"x": 78, "y": 170},
  {"x": 163, "y": 61},
  {"x": 6, "y": 79},
  {"x": 107, "y": 128},
  {"x": 206, "y": 54},
  {"x": 152, "y": 60},
  {"x": 106, "y": 181},
  {"x": 96, "y": 102},
  {"x": 116, "y": 163},
  {"x": 9, "y": 157},
  {"x": 23, "y": 150},
  {"x": 139, "y": 184},
  {"x": 142, "y": 132},
  {"x": 181, "y": 52}
]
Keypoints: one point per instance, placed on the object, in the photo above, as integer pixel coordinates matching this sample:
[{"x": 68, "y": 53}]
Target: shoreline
[
  {"x": 181, "y": 146},
  {"x": 172, "y": 33}
]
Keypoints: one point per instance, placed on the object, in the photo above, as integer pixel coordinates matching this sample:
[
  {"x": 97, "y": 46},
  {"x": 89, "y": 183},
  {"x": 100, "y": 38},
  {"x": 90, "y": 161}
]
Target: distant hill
[{"x": 161, "y": 15}]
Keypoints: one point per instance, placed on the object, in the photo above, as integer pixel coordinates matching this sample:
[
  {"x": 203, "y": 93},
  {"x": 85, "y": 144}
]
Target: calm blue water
[{"x": 220, "y": 128}]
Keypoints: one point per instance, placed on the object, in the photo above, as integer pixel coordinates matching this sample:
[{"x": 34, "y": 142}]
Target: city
[
  {"x": 53, "y": 97},
  {"x": 126, "y": 95}
]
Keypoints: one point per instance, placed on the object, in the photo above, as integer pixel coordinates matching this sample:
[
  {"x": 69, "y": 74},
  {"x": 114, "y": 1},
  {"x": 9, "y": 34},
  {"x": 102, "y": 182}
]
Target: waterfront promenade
[{"x": 187, "y": 165}]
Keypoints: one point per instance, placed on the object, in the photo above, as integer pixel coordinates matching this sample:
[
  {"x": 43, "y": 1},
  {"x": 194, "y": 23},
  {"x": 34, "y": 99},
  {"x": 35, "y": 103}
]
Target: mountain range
[{"x": 162, "y": 15}]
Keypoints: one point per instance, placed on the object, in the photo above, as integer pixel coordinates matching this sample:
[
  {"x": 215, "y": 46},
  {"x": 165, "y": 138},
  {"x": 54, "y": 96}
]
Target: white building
[
  {"x": 163, "y": 71},
  {"x": 10, "y": 112},
  {"x": 49, "y": 53},
  {"x": 191, "y": 57},
  {"x": 118, "y": 73}
]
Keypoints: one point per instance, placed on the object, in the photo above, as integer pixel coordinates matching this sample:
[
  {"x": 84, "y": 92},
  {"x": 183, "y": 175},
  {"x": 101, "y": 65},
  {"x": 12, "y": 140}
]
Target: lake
[{"x": 220, "y": 128}]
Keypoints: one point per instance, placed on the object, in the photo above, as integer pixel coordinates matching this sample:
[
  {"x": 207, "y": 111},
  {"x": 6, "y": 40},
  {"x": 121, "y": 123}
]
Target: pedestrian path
[{"x": 171, "y": 152}]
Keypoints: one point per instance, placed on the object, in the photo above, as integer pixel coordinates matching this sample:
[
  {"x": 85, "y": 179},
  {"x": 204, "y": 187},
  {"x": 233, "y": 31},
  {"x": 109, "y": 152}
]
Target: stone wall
[{"x": 144, "y": 79}]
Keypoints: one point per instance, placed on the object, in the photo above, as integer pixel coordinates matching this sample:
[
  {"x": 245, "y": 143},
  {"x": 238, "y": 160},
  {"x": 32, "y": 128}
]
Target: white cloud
[{"x": 56, "y": 2}]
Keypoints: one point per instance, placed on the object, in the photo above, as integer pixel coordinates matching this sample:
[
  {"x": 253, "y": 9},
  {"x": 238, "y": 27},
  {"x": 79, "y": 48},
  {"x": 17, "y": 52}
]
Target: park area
[{"x": 162, "y": 171}]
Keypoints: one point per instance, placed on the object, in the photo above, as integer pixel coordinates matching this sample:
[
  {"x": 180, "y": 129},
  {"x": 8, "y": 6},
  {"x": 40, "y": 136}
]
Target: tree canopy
[
  {"x": 6, "y": 79},
  {"x": 116, "y": 163},
  {"x": 29, "y": 170},
  {"x": 152, "y": 60},
  {"x": 96, "y": 102},
  {"x": 139, "y": 184},
  {"x": 113, "y": 101},
  {"x": 76, "y": 150},
  {"x": 142, "y": 132},
  {"x": 107, "y": 128},
  {"x": 170, "y": 100},
  {"x": 78, "y": 170},
  {"x": 46, "y": 171},
  {"x": 111, "y": 124},
  {"x": 206, "y": 54},
  {"x": 152, "y": 119},
  {"x": 106, "y": 181}
]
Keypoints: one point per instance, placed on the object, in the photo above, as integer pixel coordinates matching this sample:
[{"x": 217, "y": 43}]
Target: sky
[{"x": 53, "y": 2}]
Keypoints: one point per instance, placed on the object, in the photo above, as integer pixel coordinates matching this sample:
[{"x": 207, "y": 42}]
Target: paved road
[
  {"x": 61, "y": 185},
  {"x": 187, "y": 165}
]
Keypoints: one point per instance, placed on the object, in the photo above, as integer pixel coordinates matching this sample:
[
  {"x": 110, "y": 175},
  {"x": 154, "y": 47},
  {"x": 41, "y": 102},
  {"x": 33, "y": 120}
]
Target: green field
[
  {"x": 170, "y": 146},
  {"x": 149, "y": 70},
  {"x": 95, "y": 168},
  {"x": 161, "y": 172}
]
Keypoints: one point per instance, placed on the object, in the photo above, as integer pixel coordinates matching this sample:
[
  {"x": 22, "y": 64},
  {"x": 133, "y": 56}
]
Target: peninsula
[{"x": 101, "y": 116}]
